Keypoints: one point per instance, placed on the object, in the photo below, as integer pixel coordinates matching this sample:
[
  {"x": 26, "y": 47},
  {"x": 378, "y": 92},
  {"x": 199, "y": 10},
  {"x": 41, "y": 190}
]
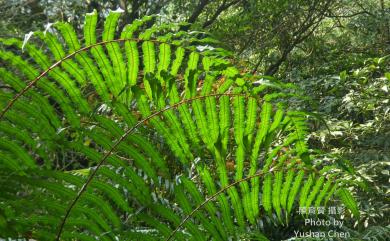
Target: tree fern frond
[
  {"x": 212, "y": 119},
  {"x": 276, "y": 193},
  {"x": 191, "y": 75},
  {"x": 300, "y": 127},
  {"x": 224, "y": 122},
  {"x": 316, "y": 188},
  {"x": 57, "y": 74},
  {"x": 16, "y": 150},
  {"x": 294, "y": 190},
  {"x": 267, "y": 193},
  {"x": 286, "y": 188},
  {"x": 348, "y": 200},
  {"x": 323, "y": 193},
  {"x": 305, "y": 191},
  {"x": 69, "y": 65},
  {"x": 164, "y": 60},
  {"x": 98, "y": 53},
  {"x": 48, "y": 87},
  {"x": 250, "y": 119},
  {"x": 195, "y": 194},
  {"x": 132, "y": 55},
  {"x": 222, "y": 200},
  {"x": 118, "y": 147},
  {"x": 83, "y": 59},
  {"x": 210, "y": 77},
  {"x": 201, "y": 121},
  {"x": 114, "y": 50}
]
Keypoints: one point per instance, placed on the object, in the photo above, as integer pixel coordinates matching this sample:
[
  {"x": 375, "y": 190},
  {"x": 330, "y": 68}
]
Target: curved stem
[
  {"x": 214, "y": 196},
  {"x": 56, "y": 64},
  {"x": 111, "y": 150}
]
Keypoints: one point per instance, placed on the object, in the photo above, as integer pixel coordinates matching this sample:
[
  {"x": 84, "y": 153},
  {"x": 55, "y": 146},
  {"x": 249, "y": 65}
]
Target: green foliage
[
  {"x": 121, "y": 139},
  {"x": 354, "y": 105}
]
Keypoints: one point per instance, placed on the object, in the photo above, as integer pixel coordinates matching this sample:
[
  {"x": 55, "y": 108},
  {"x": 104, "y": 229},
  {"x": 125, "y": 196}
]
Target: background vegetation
[{"x": 334, "y": 52}]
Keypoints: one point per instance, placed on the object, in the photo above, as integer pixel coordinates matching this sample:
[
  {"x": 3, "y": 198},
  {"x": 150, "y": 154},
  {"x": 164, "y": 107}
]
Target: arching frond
[{"x": 145, "y": 137}]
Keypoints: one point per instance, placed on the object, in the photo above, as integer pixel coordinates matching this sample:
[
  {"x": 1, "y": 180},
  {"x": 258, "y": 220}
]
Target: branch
[
  {"x": 6, "y": 87},
  {"x": 257, "y": 66},
  {"x": 347, "y": 16},
  {"x": 309, "y": 25},
  {"x": 220, "y": 9},
  {"x": 273, "y": 68},
  {"x": 135, "y": 5},
  {"x": 198, "y": 11},
  {"x": 364, "y": 10}
]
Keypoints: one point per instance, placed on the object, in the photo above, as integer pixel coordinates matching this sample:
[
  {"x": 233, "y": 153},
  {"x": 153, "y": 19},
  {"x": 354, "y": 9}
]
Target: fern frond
[
  {"x": 316, "y": 188},
  {"x": 117, "y": 125},
  {"x": 276, "y": 193},
  {"x": 305, "y": 191},
  {"x": 294, "y": 190},
  {"x": 114, "y": 50},
  {"x": 267, "y": 193},
  {"x": 98, "y": 52},
  {"x": 69, "y": 35},
  {"x": 348, "y": 200},
  {"x": 323, "y": 193}
]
